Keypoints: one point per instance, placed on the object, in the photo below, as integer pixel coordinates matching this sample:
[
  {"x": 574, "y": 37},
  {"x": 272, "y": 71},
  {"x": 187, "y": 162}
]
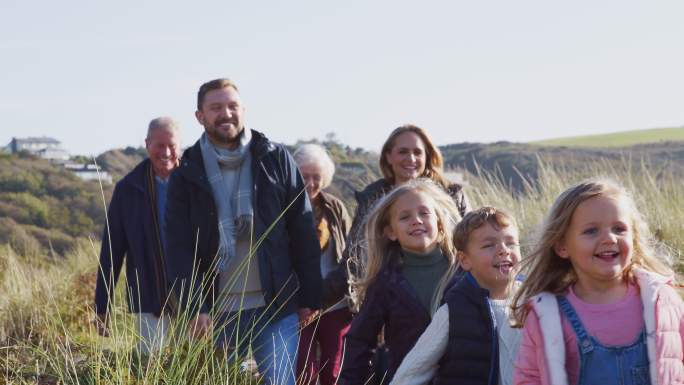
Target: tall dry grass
[
  {"x": 46, "y": 305},
  {"x": 658, "y": 194}
]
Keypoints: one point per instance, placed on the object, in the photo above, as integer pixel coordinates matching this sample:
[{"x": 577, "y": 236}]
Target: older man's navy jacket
[
  {"x": 132, "y": 233},
  {"x": 289, "y": 253}
]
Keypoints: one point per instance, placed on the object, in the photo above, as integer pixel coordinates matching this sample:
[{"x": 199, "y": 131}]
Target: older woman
[{"x": 332, "y": 225}]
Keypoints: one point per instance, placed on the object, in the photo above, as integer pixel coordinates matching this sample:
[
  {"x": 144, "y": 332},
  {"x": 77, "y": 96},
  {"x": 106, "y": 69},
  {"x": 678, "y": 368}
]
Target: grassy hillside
[
  {"x": 618, "y": 139},
  {"x": 45, "y": 309},
  {"x": 46, "y": 304},
  {"x": 44, "y": 208},
  {"x": 517, "y": 164}
]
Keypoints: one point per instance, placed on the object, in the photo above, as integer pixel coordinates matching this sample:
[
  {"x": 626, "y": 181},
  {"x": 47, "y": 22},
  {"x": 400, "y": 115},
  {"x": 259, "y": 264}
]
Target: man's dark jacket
[
  {"x": 134, "y": 235},
  {"x": 391, "y": 302},
  {"x": 289, "y": 253}
]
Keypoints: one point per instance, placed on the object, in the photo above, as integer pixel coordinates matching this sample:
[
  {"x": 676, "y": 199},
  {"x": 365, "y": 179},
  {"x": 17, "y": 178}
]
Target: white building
[
  {"x": 51, "y": 149},
  {"x": 89, "y": 172},
  {"x": 45, "y": 147}
]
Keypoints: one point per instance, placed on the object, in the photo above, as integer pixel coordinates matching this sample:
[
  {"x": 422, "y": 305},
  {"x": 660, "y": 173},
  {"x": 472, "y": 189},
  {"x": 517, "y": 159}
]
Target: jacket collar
[
  {"x": 192, "y": 163},
  {"x": 374, "y": 190},
  {"x": 136, "y": 177},
  {"x": 467, "y": 285},
  {"x": 392, "y": 268},
  {"x": 325, "y": 199}
]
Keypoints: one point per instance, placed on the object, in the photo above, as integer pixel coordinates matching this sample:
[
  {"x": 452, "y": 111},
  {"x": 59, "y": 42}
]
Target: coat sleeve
[
  {"x": 680, "y": 312},
  {"x": 362, "y": 337},
  {"x": 530, "y": 364},
  {"x": 304, "y": 247},
  {"x": 345, "y": 219},
  {"x": 335, "y": 283},
  {"x": 112, "y": 252},
  {"x": 355, "y": 247},
  {"x": 182, "y": 263},
  {"x": 421, "y": 363}
]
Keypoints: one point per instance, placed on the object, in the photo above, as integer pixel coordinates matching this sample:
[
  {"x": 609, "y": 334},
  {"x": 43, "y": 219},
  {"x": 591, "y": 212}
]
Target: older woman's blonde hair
[
  {"x": 434, "y": 163},
  {"x": 546, "y": 271},
  {"x": 311, "y": 153},
  {"x": 380, "y": 247}
]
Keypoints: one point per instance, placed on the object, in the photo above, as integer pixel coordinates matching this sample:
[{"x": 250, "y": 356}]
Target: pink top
[
  {"x": 601, "y": 320},
  {"x": 613, "y": 324}
]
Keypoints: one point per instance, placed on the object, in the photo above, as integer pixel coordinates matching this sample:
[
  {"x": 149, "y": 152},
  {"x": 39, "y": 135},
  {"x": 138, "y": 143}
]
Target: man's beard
[{"x": 222, "y": 138}]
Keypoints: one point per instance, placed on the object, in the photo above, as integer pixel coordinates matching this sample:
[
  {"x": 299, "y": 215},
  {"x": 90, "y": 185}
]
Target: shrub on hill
[
  {"x": 119, "y": 162},
  {"x": 43, "y": 204}
]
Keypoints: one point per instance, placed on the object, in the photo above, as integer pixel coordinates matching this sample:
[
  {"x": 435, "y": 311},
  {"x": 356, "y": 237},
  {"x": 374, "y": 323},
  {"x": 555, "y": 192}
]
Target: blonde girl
[
  {"x": 597, "y": 304},
  {"x": 410, "y": 259}
]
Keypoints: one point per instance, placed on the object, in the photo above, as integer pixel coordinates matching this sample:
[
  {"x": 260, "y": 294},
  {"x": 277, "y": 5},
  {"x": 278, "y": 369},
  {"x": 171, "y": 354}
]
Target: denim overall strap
[
  {"x": 584, "y": 342},
  {"x": 607, "y": 365}
]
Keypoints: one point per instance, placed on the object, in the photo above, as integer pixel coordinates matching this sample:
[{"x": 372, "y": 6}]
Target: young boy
[{"x": 470, "y": 340}]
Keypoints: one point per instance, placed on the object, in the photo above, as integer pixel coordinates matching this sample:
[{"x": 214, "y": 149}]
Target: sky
[{"x": 93, "y": 74}]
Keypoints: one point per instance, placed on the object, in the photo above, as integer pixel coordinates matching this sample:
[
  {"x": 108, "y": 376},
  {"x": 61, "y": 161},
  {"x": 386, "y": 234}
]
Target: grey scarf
[{"x": 234, "y": 208}]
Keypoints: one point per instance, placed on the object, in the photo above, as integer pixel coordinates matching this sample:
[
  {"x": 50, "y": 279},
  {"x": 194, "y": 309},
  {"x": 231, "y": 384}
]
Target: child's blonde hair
[
  {"x": 548, "y": 272},
  {"x": 381, "y": 250}
]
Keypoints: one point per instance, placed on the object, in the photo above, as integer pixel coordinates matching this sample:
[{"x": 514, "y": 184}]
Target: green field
[{"x": 618, "y": 139}]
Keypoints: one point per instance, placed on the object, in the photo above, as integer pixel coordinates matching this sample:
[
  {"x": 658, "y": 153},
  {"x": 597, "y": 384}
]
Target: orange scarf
[{"x": 322, "y": 228}]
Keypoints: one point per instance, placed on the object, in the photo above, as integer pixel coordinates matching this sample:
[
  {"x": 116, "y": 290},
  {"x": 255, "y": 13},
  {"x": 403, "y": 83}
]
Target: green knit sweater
[{"x": 424, "y": 271}]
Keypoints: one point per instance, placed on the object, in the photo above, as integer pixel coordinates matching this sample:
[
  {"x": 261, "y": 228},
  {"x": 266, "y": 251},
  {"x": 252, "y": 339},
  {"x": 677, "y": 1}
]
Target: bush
[{"x": 16, "y": 236}]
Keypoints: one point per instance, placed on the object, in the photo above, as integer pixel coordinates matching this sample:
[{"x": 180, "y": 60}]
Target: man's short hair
[
  {"x": 162, "y": 122},
  {"x": 211, "y": 85}
]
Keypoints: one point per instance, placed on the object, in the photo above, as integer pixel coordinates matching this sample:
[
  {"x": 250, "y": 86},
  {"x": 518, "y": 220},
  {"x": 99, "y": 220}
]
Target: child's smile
[
  {"x": 599, "y": 241},
  {"x": 413, "y": 223},
  {"x": 505, "y": 267},
  {"x": 491, "y": 256}
]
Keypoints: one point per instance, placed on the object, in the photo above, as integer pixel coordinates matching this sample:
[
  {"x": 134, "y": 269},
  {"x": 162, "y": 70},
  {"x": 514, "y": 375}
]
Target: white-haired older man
[{"x": 135, "y": 231}]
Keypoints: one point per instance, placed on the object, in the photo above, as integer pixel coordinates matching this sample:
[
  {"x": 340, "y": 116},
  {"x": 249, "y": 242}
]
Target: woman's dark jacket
[
  {"x": 472, "y": 356},
  {"x": 133, "y": 233},
  {"x": 339, "y": 222},
  {"x": 289, "y": 253},
  {"x": 391, "y": 302}
]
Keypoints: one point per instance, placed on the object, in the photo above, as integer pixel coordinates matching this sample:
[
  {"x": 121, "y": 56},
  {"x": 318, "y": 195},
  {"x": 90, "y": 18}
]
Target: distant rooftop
[
  {"x": 44, "y": 146},
  {"x": 37, "y": 139}
]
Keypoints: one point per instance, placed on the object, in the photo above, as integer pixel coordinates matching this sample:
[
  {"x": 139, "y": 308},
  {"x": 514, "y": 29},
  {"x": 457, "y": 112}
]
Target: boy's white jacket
[{"x": 546, "y": 307}]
